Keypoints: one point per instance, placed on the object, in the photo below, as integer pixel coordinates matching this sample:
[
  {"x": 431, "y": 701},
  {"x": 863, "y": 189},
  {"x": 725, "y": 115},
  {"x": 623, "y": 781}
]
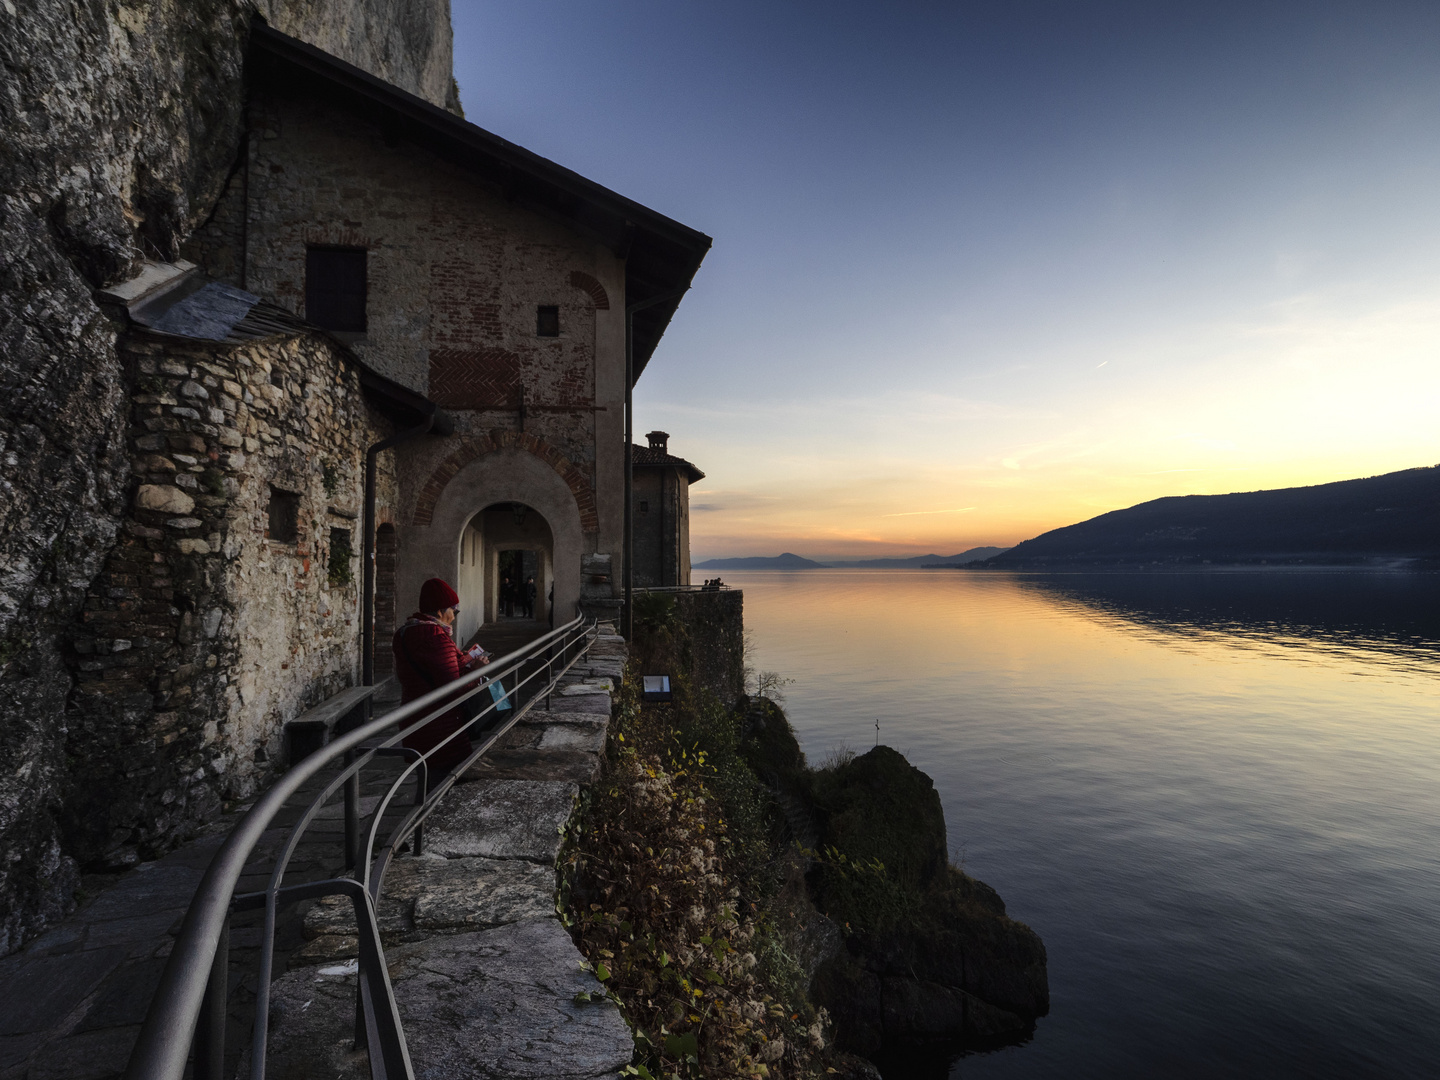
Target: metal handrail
[{"x": 195, "y": 977}]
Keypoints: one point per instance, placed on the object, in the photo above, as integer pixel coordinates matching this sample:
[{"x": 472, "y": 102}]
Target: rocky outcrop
[
  {"x": 122, "y": 122},
  {"x": 930, "y": 954},
  {"x": 120, "y": 127},
  {"x": 901, "y": 947}
]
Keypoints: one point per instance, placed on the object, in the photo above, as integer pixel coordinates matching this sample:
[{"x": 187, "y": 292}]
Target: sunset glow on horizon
[{"x": 980, "y": 273}]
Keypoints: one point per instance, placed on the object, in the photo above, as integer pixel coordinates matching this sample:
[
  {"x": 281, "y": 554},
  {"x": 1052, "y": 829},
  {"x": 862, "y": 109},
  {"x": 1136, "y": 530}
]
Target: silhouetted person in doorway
[{"x": 529, "y": 597}]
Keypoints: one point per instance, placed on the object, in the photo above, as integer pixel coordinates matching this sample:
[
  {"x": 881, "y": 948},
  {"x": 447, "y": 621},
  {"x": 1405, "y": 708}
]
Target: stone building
[
  {"x": 473, "y": 272},
  {"x": 662, "y": 513},
  {"x": 183, "y": 511}
]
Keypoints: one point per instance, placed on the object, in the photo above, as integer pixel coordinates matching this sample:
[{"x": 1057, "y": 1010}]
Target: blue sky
[{"x": 982, "y": 270}]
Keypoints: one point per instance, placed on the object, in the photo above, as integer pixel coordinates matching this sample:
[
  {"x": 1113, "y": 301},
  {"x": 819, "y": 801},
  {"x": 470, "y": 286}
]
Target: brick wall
[{"x": 201, "y": 637}]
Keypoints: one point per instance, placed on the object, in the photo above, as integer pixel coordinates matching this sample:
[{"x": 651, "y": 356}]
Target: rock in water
[{"x": 930, "y": 954}]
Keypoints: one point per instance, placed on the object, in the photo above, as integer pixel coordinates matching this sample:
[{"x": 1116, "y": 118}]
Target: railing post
[
  {"x": 422, "y": 793},
  {"x": 214, "y": 1014},
  {"x": 352, "y": 814}
]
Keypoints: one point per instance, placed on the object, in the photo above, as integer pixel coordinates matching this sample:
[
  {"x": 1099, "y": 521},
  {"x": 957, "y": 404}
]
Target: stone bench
[{"x": 315, "y": 727}]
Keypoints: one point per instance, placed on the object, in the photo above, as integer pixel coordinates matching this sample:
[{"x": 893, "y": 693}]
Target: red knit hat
[{"x": 437, "y": 595}]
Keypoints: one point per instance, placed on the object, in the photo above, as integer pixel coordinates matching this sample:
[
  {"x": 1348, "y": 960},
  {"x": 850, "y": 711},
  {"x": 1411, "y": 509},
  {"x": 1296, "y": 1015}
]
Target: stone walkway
[{"x": 485, "y": 977}]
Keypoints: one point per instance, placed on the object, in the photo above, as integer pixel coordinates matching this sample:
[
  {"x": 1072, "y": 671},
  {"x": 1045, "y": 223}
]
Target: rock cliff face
[
  {"x": 121, "y": 123},
  {"x": 405, "y": 42}
]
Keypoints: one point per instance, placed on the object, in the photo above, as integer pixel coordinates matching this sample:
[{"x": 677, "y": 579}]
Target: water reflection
[
  {"x": 1394, "y": 615},
  {"x": 1214, "y": 795}
]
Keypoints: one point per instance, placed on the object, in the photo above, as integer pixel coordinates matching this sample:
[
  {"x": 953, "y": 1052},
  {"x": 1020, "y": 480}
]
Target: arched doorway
[{"x": 503, "y": 536}]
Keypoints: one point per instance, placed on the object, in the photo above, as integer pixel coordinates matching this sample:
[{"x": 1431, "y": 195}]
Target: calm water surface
[{"x": 1214, "y": 796}]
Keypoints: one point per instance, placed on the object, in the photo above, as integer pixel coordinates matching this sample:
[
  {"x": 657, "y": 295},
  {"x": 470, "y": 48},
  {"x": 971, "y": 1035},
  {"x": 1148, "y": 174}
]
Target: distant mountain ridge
[
  {"x": 786, "y": 561},
  {"x": 970, "y": 556},
  {"x": 1393, "y": 517},
  {"x": 791, "y": 561}
]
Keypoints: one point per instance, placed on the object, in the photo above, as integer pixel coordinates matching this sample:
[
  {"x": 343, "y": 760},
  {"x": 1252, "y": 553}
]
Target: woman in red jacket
[{"x": 426, "y": 658}]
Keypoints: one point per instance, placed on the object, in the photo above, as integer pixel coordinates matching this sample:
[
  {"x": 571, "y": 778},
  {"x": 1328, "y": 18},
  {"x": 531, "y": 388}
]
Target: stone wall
[
  {"x": 122, "y": 125},
  {"x": 662, "y": 527},
  {"x": 715, "y": 624},
  {"x": 454, "y": 270},
  {"x": 203, "y": 635}
]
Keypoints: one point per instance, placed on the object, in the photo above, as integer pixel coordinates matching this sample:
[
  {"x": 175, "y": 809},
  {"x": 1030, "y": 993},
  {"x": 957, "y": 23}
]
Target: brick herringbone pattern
[{"x": 473, "y": 378}]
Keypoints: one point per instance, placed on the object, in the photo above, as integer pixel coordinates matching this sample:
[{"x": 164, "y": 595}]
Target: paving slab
[
  {"x": 432, "y": 893},
  {"x": 36, "y": 992},
  {"x": 570, "y": 716},
  {"x": 577, "y": 767},
  {"x": 507, "y": 819},
  {"x": 478, "y": 893},
  {"x": 582, "y": 738},
  {"x": 580, "y": 703},
  {"x": 493, "y": 1005}
]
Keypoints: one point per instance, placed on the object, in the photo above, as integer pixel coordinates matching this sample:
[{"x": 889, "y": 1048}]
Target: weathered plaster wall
[
  {"x": 201, "y": 636},
  {"x": 122, "y": 123}
]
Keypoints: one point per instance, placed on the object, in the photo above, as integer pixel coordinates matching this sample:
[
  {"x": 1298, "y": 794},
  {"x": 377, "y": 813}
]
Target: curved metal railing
[{"x": 190, "y": 1007}]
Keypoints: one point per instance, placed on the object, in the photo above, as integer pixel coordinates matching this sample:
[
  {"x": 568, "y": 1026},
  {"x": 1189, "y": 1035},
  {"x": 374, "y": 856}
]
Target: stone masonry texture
[
  {"x": 455, "y": 273},
  {"x": 122, "y": 125},
  {"x": 202, "y": 635}
]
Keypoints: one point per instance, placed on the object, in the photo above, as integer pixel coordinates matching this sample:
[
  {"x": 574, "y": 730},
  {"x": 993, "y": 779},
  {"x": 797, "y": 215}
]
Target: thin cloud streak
[{"x": 920, "y": 513}]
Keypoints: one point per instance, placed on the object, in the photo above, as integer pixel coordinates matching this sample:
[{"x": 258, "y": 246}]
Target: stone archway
[
  {"x": 433, "y": 543},
  {"x": 479, "y": 446}
]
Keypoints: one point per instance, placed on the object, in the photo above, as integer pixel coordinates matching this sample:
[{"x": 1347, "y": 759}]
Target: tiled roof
[{"x": 643, "y": 455}]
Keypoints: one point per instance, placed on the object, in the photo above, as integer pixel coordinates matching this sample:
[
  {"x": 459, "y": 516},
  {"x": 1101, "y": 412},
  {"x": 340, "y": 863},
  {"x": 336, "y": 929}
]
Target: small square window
[
  {"x": 284, "y": 516},
  {"x": 547, "y": 320},
  {"x": 337, "y": 567},
  {"x": 644, "y": 507},
  {"x": 335, "y": 288}
]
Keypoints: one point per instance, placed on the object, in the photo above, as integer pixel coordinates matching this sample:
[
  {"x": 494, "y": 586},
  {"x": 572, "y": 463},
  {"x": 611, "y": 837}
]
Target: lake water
[{"x": 1215, "y": 796}]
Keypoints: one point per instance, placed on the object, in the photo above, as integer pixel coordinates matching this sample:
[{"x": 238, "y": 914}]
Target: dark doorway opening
[{"x": 519, "y": 578}]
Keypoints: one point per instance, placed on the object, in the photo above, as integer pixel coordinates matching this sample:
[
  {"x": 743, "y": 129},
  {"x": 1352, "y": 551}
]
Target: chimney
[{"x": 659, "y": 440}]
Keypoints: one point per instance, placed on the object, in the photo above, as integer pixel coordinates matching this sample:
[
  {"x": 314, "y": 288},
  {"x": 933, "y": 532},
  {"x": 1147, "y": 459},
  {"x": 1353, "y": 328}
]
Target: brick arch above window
[
  {"x": 587, "y": 284},
  {"x": 478, "y": 446}
]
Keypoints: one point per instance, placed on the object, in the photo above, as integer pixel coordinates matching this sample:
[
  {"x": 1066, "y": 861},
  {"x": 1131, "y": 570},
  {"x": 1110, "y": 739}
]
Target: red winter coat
[{"x": 426, "y": 658}]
